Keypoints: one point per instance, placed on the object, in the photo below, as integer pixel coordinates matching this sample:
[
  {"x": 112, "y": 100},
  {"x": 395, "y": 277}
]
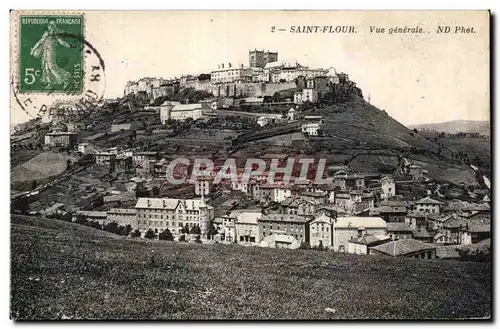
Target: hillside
[
  {"x": 68, "y": 271},
  {"x": 456, "y": 126}
]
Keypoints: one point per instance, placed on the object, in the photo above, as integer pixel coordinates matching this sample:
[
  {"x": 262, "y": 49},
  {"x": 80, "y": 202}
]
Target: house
[
  {"x": 105, "y": 159},
  {"x": 280, "y": 193},
  {"x": 347, "y": 228},
  {"x": 299, "y": 205},
  {"x": 159, "y": 214},
  {"x": 474, "y": 233},
  {"x": 416, "y": 172},
  {"x": 349, "y": 181},
  {"x": 429, "y": 205},
  {"x": 415, "y": 219},
  {"x": 122, "y": 217},
  {"x": 287, "y": 224},
  {"x": 85, "y": 148},
  {"x": 160, "y": 169},
  {"x": 399, "y": 231},
  {"x": 140, "y": 157},
  {"x": 321, "y": 230},
  {"x": 362, "y": 245},
  {"x": 65, "y": 139},
  {"x": 389, "y": 213},
  {"x": 388, "y": 187},
  {"x": 405, "y": 248},
  {"x": 146, "y": 168},
  {"x": 228, "y": 228},
  {"x": 312, "y": 124},
  {"x": 436, "y": 221},
  {"x": 451, "y": 229},
  {"x": 123, "y": 163},
  {"x": 353, "y": 201},
  {"x": 177, "y": 111},
  {"x": 203, "y": 185},
  {"x": 306, "y": 95},
  {"x": 422, "y": 234},
  {"x": 247, "y": 227},
  {"x": 280, "y": 241},
  {"x": 133, "y": 184}
]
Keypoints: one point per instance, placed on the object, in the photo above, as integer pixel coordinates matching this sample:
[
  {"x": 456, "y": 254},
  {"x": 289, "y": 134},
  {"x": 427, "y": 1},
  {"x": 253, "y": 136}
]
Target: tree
[
  {"x": 212, "y": 231},
  {"x": 195, "y": 229},
  {"x": 112, "y": 228},
  {"x": 156, "y": 190},
  {"x": 182, "y": 238},
  {"x": 68, "y": 164},
  {"x": 150, "y": 234},
  {"x": 136, "y": 234},
  {"x": 33, "y": 185},
  {"x": 197, "y": 239},
  {"x": 185, "y": 229},
  {"x": 128, "y": 229},
  {"x": 166, "y": 235}
]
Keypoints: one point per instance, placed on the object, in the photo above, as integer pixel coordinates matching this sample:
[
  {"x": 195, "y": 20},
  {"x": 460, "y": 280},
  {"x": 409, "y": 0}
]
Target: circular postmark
[{"x": 59, "y": 73}]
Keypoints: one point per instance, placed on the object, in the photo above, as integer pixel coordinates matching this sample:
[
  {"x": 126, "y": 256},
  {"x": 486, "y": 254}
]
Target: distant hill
[{"x": 456, "y": 126}]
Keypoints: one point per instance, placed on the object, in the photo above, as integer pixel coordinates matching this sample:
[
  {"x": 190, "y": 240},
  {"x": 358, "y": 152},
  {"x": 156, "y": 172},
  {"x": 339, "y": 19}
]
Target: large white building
[
  {"x": 159, "y": 214},
  {"x": 178, "y": 111},
  {"x": 231, "y": 74},
  {"x": 306, "y": 95}
]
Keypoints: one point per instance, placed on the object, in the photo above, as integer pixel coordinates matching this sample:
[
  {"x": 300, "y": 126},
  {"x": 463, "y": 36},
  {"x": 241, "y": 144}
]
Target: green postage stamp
[{"x": 51, "y": 54}]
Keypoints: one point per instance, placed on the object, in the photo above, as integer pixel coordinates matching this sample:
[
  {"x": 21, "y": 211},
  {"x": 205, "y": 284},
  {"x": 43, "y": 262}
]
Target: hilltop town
[{"x": 391, "y": 191}]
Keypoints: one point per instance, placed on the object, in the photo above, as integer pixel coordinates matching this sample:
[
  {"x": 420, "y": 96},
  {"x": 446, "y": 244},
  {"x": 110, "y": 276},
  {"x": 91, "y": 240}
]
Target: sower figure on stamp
[{"x": 45, "y": 49}]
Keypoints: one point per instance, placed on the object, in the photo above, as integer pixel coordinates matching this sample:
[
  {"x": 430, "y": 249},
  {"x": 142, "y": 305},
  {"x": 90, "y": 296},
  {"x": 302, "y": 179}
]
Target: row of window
[
  {"x": 155, "y": 223},
  {"x": 154, "y": 216}
]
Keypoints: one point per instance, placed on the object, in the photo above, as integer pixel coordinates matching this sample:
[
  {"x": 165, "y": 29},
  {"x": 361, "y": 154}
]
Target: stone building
[{"x": 159, "y": 214}]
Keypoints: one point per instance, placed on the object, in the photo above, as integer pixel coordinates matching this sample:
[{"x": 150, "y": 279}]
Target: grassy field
[
  {"x": 41, "y": 166},
  {"x": 63, "y": 270}
]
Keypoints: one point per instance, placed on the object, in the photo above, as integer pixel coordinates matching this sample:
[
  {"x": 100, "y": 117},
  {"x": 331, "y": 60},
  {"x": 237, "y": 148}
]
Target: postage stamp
[
  {"x": 51, "y": 53},
  {"x": 58, "y": 73}
]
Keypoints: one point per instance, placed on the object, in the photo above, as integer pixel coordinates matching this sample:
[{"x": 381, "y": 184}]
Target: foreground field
[{"x": 63, "y": 270}]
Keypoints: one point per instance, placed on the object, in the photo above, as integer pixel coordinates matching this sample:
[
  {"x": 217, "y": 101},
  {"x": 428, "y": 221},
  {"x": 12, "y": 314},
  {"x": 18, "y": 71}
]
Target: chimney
[
  {"x": 149, "y": 203},
  {"x": 222, "y": 65},
  {"x": 164, "y": 203}
]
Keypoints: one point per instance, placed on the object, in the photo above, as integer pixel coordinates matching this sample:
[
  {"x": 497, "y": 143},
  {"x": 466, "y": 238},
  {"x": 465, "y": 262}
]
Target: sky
[{"x": 416, "y": 78}]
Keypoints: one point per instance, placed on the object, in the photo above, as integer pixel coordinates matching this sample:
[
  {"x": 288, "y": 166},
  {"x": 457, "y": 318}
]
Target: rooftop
[
  {"x": 360, "y": 222},
  {"x": 369, "y": 239},
  {"x": 428, "y": 200},
  {"x": 402, "y": 247},
  {"x": 398, "y": 227},
  {"x": 284, "y": 218}
]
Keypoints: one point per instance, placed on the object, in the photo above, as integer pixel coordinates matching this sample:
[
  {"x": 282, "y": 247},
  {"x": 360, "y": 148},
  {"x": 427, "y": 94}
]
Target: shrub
[
  {"x": 166, "y": 235},
  {"x": 136, "y": 234},
  {"x": 150, "y": 234}
]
